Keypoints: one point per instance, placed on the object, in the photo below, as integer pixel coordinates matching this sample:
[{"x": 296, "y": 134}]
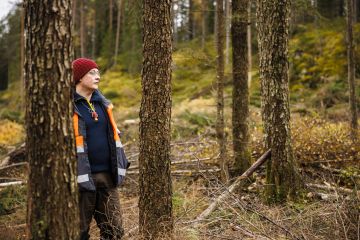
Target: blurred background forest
[{"x": 110, "y": 32}]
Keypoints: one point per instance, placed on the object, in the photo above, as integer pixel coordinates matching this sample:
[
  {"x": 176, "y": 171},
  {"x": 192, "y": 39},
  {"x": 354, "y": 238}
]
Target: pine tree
[
  {"x": 220, "y": 122},
  {"x": 155, "y": 204},
  {"x": 52, "y": 187},
  {"x": 351, "y": 70},
  {"x": 273, "y": 33},
  {"x": 239, "y": 30}
]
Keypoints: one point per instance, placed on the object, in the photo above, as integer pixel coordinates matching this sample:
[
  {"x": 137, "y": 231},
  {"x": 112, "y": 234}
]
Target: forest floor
[{"x": 328, "y": 206}]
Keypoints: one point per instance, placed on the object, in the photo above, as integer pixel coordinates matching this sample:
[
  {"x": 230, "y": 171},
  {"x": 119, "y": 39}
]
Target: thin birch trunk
[{"x": 220, "y": 123}]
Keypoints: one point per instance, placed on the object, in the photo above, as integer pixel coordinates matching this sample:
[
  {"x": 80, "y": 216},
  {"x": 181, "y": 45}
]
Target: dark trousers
[{"x": 104, "y": 205}]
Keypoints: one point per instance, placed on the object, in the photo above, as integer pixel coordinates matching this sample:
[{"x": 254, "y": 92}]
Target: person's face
[{"x": 90, "y": 81}]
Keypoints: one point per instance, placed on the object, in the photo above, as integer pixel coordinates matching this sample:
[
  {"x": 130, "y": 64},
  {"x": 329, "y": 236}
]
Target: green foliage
[
  {"x": 130, "y": 56},
  {"x": 199, "y": 119},
  {"x": 11, "y": 115},
  {"x": 11, "y": 197},
  {"x": 317, "y": 53}
]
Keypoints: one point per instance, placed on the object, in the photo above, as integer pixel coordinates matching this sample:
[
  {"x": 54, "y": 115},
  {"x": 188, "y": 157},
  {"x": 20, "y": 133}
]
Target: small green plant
[{"x": 12, "y": 197}]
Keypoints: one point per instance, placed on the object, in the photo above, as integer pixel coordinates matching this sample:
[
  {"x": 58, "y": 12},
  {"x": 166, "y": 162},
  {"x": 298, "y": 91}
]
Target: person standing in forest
[{"x": 101, "y": 159}]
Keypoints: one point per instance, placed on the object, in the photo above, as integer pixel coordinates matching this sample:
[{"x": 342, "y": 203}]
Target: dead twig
[{"x": 234, "y": 186}]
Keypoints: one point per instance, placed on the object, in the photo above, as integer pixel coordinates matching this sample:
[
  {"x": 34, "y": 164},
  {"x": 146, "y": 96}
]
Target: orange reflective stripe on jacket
[{"x": 112, "y": 121}]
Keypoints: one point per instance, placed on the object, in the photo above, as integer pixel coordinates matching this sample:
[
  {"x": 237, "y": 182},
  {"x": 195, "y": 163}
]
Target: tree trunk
[
  {"x": 155, "y": 203},
  {"x": 273, "y": 28},
  {"x": 118, "y": 27},
  {"x": 73, "y": 12},
  {"x": 93, "y": 34},
  {"x": 4, "y": 76},
  {"x": 220, "y": 123},
  {"x": 191, "y": 20},
  {"x": 22, "y": 49},
  {"x": 240, "y": 106},
  {"x": 249, "y": 46},
  {"x": 203, "y": 22},
  {"x": 82, "y": 29},
  {"x": 110, "y": 16},
  {"x": 351, "y": 71},
  {"x": 52, "y": 188},
  {"x": 227, "y": 26},
  {"x": 174, "y": 15}
]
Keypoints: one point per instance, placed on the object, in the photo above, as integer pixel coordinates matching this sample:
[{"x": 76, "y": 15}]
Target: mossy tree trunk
[
  {"x": 155, "y": 203},
  {"x": 220, "y": 123},
  {"x": 240, "y": 107},
  {"x": 351, "y": 70},
  {"x": 52, "y": 189},
  {"x": 273, "y": 29}
]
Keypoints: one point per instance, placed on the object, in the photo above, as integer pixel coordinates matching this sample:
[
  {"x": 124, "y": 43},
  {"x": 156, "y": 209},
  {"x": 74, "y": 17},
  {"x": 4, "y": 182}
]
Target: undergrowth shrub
[
  {"x": 12, "y": 197},
  {"x": 11, "y": 133},
  {"x": 315, "y": 139}
]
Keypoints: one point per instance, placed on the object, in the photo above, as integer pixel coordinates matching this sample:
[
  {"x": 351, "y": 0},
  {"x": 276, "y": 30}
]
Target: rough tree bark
[
  {"x": 273, "y": 29},
  {"x": 220, "y": 123},
  {"x": 82, "y": 29},
  {"x": 155, "y": 205},
  {"x": 351, "y": 70},
  {"x": 240, "y": 107},
  {"x": 52, "y": 188}
]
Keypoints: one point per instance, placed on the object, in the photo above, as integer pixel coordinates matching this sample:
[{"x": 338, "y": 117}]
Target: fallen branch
[
  {"x": 203, "y": 160},
  {"x": 12, "y": 183},
  {"x": 182, "y": 172},
  {"x": 14, "y": 165},
  {"x": 328, "y": 161},
  {"x": 334, "y": 170},
  {"x": 12, "y": 154},
  {"x": 233, "y": 187},
  {"x": 336, "y": 189}
]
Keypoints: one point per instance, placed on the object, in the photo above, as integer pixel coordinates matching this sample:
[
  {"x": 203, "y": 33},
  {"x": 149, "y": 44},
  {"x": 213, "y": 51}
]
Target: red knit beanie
[{"x": 82, "y": 66}]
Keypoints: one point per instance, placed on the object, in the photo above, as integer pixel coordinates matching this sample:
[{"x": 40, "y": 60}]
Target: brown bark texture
[
  {"x": 351, "y": 70},
  {"x": 240, "y": 107},
  {"x": 273, "y": 34},
  {"x": 220, "y": 123},
  {"x": 82, "y": 29},
  {"x": 52, "y": 188},
  {"x": 155, "y": 201}
]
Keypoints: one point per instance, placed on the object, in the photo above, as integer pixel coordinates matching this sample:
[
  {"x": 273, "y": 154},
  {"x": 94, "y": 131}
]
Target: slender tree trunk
[
  {"x": 93, "y": 35},
  {"x": 174, "y": 15},
  {"x": 249, "y": 46},
  {"x": 240, "y": 116},
  {"x": 355, "y": 11},
  {"x": 220, "y": 123},
  {"x": 155, "y": 204},
  {"x": 351, "y": 71},
  {"x": 50, "y": 146},
  {"x": 118, "y": 27},
  {"x": 4, "y": 76},
  {"x": 203, "y": 22},
  {"x": 191, "y": 20},
  {"x": 82, "y": 28},
  {"x": 273, "y": 29},
  {"x": 110, "y": 15},
  {"x": 73, "y": 12},
  {"x": 22, "y": 56},
  {"x": 227, "y": 26}
]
